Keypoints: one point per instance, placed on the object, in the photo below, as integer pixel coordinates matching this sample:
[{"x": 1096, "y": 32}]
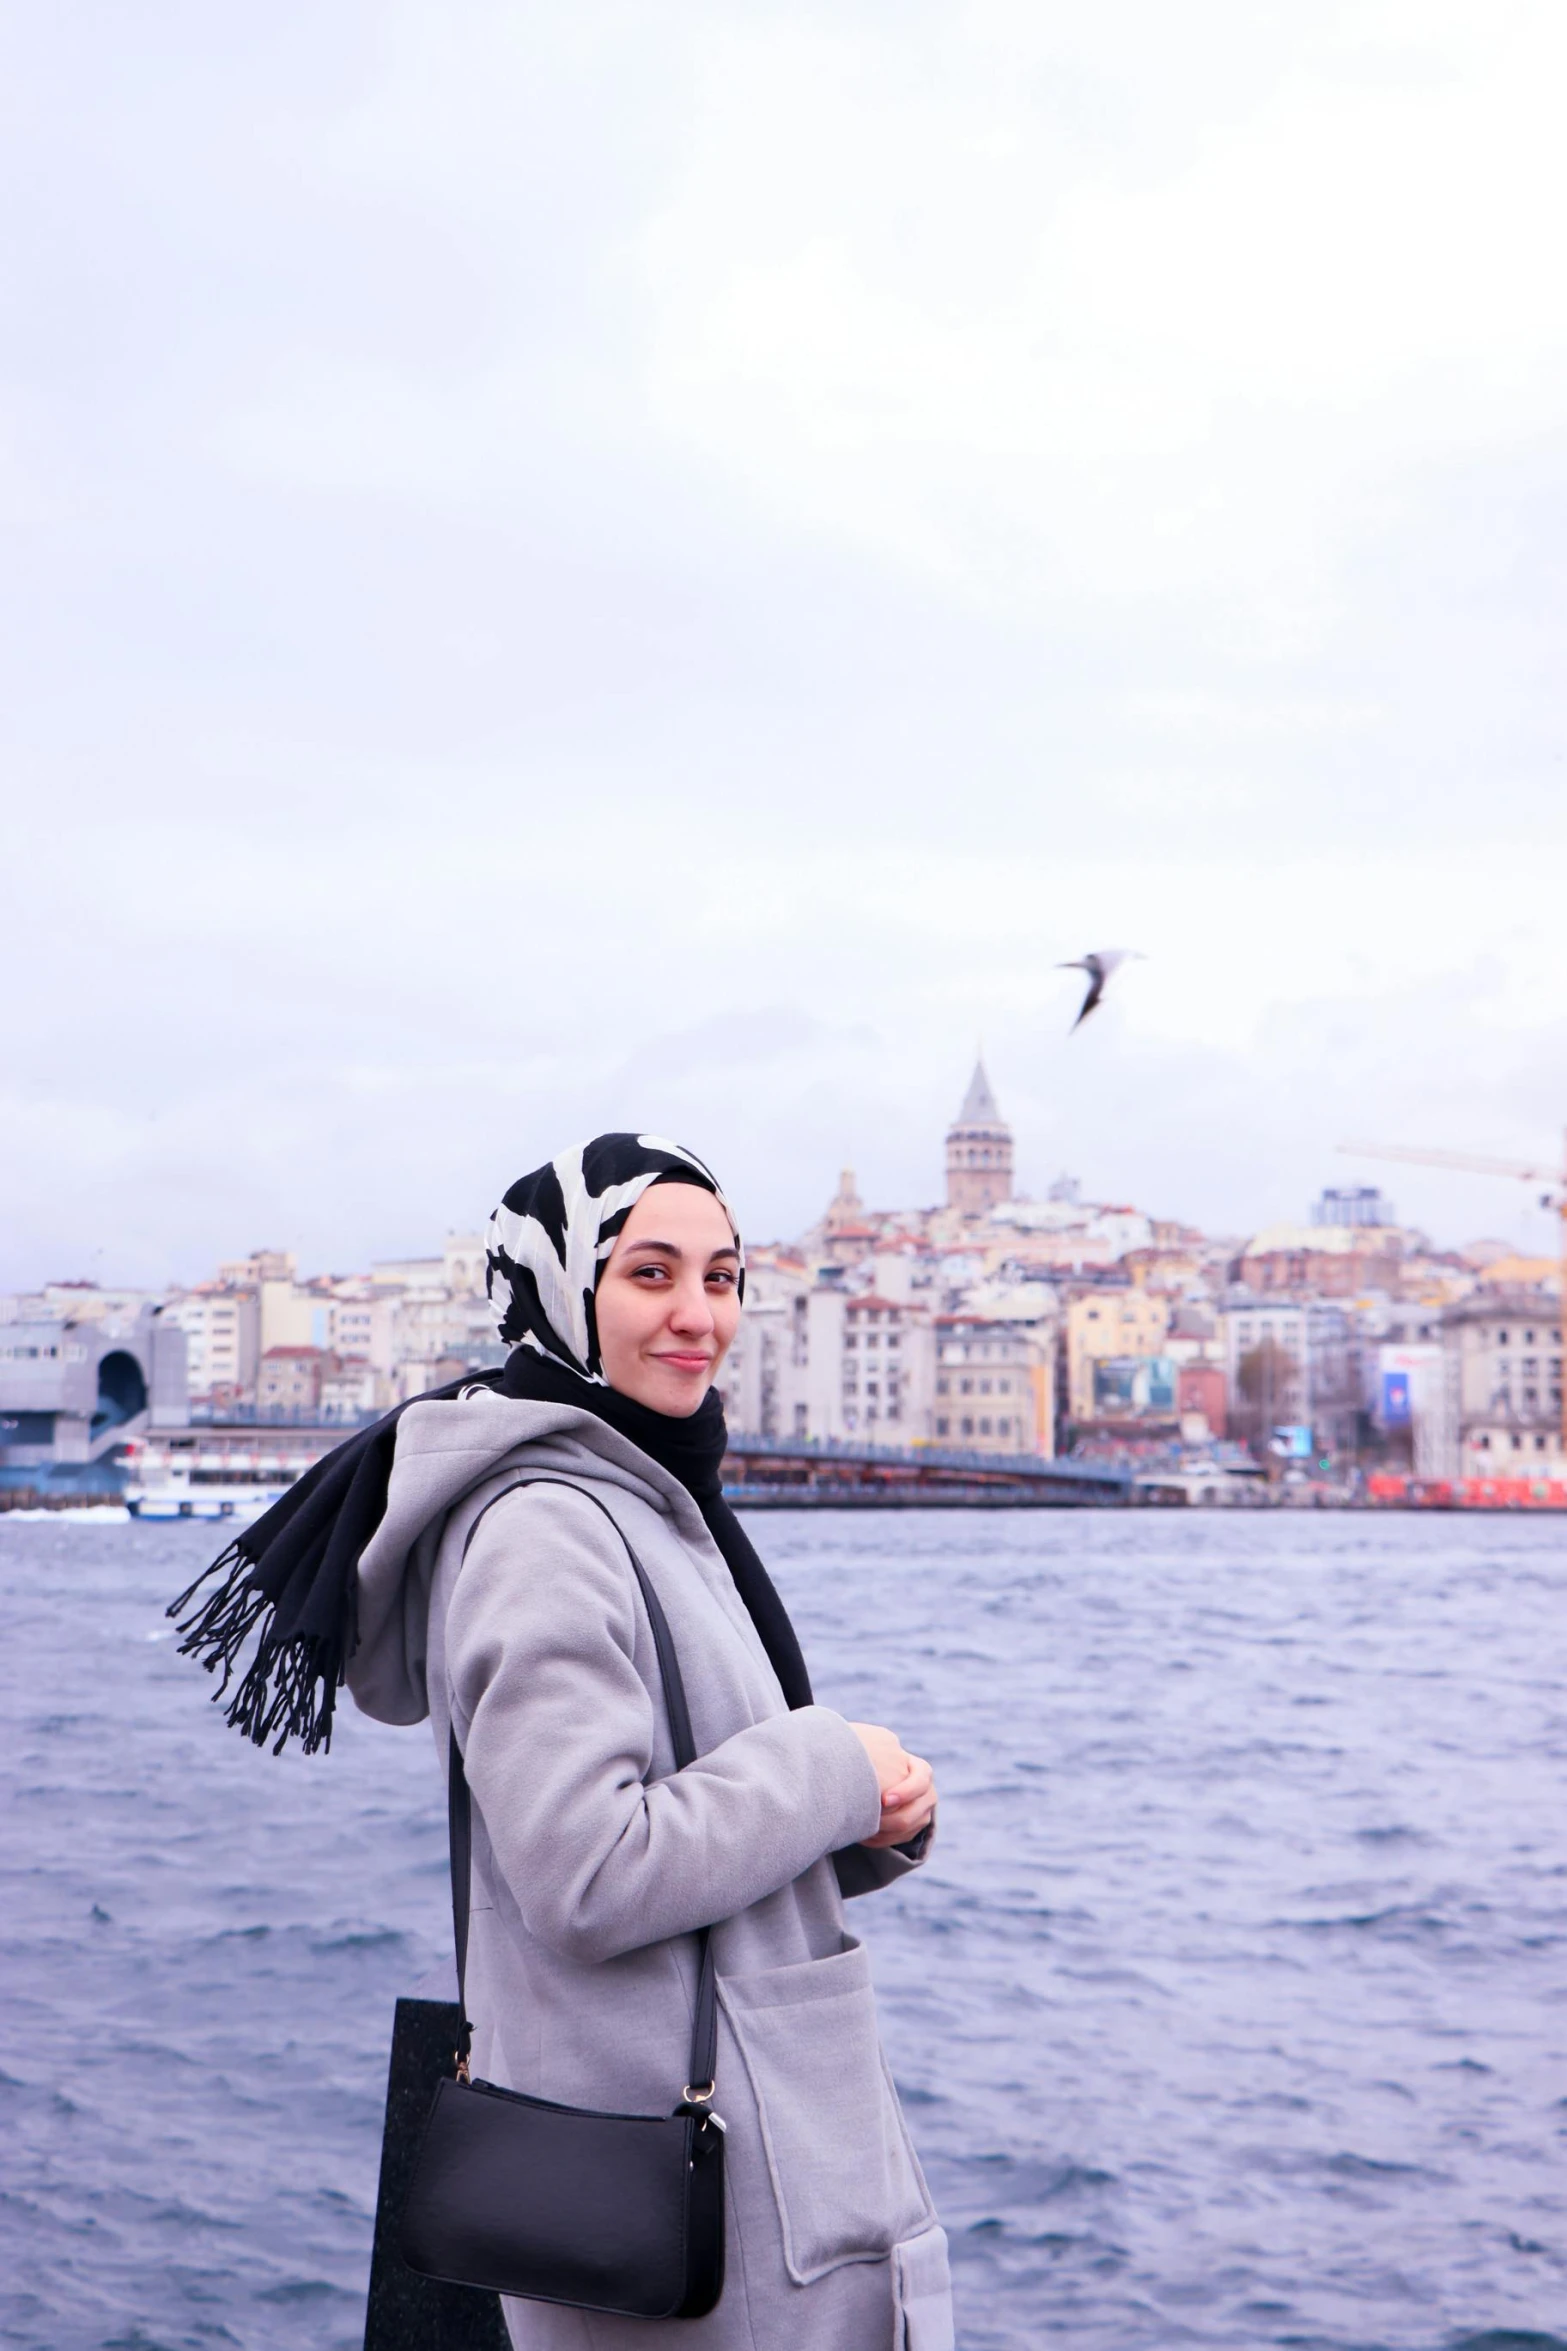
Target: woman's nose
[{"x": 692, "y": 1309}]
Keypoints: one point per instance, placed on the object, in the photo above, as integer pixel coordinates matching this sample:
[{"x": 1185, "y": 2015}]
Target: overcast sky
[{"x": 588, "y": 566}]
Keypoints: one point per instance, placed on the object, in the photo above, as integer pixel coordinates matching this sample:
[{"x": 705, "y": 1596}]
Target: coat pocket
[{"x": 845, "y": 2176}]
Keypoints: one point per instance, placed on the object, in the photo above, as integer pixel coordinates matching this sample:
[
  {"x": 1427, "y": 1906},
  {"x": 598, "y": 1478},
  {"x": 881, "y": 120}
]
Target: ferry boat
[
  {"x": 193, "y": 1482},
  {"x": 180, "y": 1499}
]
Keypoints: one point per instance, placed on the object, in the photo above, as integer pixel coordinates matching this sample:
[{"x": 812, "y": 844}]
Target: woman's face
[{"x": 668, "y": 1300}]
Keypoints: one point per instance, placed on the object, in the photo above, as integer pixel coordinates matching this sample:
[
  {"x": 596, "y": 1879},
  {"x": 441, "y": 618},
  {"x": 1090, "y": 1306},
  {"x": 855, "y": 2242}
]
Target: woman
[{"x": 510, "y": 1612}]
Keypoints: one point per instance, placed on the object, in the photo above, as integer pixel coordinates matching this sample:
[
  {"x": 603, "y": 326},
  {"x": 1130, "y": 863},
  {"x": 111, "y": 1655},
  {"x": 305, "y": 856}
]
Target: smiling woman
[
  {"x": 664, "y": 1824},
  {"x": 622, "y": 1866}
]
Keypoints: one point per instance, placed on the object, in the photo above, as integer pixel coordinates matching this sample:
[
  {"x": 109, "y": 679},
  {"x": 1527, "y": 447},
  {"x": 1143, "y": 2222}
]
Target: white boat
[{"x": 179, "y": 1498}]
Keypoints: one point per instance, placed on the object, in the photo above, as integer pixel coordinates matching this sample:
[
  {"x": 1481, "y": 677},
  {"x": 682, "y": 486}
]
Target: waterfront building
[
  {"x": 1335, "y": 1377},
  {"x": 292, "y": 1315},
  {"x": 222, "y": 1326},
  {"x": 1500, "y": 1412},
  {"x": 1201, "y": 1400},
  {"x": 1403, "y": 1389},
  {"x": 762, "y": 1381},
  {"x": 1105, "y": 1325},
  {"x": 1265, "y": 1365},
  {"x": 887, "y": 1364},
  {"x": 348, "y": 1391},
  {"x": 1293, "y": 1362},
  {"x": 361, "y": 1326},
  {"x": 754, "y": 1383},
  {"x": 979, "y": 1151},
  {"x": 1201, "y": 1385},
  {"x": 866, "y": 1368},
  {"x": 288, "y": 1380},
  {"x": 72, "y": 1392},
  {"x": 438, "y": 1334},
  {"x": 994, "y": 1387}
]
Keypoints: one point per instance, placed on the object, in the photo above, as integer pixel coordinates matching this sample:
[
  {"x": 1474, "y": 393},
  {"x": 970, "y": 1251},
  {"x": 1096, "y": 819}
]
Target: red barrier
[{"x": 1404, "y": 1493}]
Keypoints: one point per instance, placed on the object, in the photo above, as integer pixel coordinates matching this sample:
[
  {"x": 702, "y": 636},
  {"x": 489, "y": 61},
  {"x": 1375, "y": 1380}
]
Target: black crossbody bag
[{"x": 614, "y": 2212}]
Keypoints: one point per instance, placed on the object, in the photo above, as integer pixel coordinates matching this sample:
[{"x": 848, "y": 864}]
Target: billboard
[
  {"x": 1115, "y": 1385},
  {"x": 1130, "y": 1384},
  {"x": 1406, "y": 1383}
]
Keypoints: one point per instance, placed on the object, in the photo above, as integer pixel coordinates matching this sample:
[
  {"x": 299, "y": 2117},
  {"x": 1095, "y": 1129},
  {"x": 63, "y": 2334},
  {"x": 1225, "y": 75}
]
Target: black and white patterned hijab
[{"x": 548, "y": 1241}]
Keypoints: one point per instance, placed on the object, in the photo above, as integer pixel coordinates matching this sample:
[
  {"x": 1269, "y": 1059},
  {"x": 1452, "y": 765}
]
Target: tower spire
[{"x": 979, "y": 1150}]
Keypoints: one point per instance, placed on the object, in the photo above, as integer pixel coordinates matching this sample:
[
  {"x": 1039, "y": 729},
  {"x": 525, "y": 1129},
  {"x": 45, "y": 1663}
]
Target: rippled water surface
[{"x": 1231, "y": 2009}]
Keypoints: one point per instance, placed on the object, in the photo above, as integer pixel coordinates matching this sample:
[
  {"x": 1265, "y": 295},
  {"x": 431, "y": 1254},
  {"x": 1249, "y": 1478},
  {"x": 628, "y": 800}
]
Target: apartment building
[
  {"x": 1107, "y": 1325},
  {"x": 222, "y": 1327},
  {"x": 994, "y": 1387},
  {"x": 1501, "y": 1403}
]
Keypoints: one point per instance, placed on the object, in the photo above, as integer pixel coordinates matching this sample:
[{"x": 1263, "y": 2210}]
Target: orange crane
[{"x": 1524, "y": 1171}]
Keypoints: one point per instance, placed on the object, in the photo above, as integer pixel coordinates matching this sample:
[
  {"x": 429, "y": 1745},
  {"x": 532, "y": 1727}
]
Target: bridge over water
[{"x": 784, "y": 1473}]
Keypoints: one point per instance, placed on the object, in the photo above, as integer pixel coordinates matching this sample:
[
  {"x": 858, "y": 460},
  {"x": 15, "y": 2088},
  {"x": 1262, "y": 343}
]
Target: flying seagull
[{"x": 1099, "y": 965}]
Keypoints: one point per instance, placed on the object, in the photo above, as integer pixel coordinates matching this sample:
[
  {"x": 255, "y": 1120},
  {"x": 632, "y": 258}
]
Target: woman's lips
[{"x": 683, "y": 1362}]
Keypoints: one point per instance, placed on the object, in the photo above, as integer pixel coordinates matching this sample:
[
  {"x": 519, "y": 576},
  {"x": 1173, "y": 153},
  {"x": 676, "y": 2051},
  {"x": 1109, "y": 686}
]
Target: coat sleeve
[
  {"x": 860, "y": 1871},
  {"x": 557, "y": 1730}
]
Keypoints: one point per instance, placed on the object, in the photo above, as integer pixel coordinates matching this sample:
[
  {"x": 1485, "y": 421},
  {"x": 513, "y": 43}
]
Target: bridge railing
[{"x": 845, "y": 1453}]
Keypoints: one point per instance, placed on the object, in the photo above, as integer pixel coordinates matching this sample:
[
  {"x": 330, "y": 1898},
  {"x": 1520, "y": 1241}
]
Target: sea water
[{"x": 1230, "y": 2009}]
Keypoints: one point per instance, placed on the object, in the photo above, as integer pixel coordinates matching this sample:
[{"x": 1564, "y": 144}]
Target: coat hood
[{"x": 451, "y": 1448}]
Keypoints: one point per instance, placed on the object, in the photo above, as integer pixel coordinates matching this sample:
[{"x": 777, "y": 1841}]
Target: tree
[{"x": 1266, "y": 1385}]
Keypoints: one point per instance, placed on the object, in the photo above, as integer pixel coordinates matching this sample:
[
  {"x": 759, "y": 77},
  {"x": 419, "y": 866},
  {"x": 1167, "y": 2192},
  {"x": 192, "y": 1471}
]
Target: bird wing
[{"x": 1096, "y": 988}]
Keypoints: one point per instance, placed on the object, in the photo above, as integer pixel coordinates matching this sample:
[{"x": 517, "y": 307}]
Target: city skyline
[{"x": 986, "y": 1321}]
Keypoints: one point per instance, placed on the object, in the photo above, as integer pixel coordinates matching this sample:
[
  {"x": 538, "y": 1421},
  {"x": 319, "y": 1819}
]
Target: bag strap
[{"x": 700, "y": 2081}]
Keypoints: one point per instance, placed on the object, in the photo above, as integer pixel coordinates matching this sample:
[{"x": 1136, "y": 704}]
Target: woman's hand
[{"x": 908, "y": 1786}]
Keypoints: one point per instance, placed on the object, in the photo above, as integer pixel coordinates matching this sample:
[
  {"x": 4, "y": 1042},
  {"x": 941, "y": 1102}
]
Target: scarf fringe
[{"x": 289, "y": 1688}]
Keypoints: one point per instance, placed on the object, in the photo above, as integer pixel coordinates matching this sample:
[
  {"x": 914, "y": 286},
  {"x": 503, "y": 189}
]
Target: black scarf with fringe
[{"x": 290, "y": 1580}]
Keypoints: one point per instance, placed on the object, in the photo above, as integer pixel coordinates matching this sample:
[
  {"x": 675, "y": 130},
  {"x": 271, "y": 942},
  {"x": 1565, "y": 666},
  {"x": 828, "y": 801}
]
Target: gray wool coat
[{"x": 595, "y": 1861}]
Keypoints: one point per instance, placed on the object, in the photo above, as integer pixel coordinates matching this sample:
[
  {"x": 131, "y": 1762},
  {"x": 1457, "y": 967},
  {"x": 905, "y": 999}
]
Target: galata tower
[{"x": 979, "y": 1151}]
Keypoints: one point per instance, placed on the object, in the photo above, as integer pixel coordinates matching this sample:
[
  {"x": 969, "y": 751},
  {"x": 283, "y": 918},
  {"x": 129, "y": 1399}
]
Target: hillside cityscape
[{"x": 992, "y": 1324}]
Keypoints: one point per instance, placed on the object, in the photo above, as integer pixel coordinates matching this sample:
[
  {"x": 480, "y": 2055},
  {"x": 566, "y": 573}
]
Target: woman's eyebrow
[{"x": 673, "y": 1249}]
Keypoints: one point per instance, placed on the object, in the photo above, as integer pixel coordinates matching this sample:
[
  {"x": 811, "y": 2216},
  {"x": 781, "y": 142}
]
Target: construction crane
[{"x": 1521, "y": 1170}]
